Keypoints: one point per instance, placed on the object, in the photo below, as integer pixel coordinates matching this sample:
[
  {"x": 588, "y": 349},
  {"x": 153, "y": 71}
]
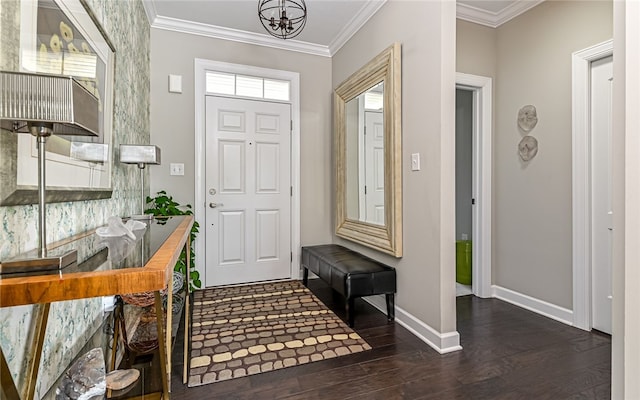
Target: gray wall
[
  {"x": 529, "y": 59},
  {"x": 426, "y": 30},
  {"x": 173, "y": 119},
  {"x": 425, "y": 262},
  {"x": 464, "y": 167},
  {"x": 476, "y": 51},
  {"x": 532, "y": 202}
]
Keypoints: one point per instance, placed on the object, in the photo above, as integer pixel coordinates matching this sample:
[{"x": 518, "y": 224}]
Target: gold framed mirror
[{"x": 368, "y": 142}]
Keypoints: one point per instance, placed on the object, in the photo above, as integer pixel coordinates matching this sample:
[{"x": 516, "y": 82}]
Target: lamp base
[{"x": 32, "y": 261}]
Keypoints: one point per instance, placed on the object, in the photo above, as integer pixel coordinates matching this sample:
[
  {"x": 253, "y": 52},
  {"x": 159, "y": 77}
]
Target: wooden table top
[{"x": 103, "y": 279}]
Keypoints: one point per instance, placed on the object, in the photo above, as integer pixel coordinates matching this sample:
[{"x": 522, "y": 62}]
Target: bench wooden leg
[
  {"x": 305, "y": 276},
  {"x": 391, "y": 309},
  {"x": 351, "y": 311}
]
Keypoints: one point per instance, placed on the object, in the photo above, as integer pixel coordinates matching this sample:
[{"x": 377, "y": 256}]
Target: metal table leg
[{"x": 162, "y": 347}]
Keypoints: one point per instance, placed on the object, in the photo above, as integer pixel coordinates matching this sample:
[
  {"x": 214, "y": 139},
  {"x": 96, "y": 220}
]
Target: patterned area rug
[{"x": 246, "y": 330}]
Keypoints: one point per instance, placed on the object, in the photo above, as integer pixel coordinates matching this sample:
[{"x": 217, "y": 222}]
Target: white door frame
[
  {"x": 581, "y": 188},
  {"x": 201, "y": 67},
  {"x": 482, "y": 161}
]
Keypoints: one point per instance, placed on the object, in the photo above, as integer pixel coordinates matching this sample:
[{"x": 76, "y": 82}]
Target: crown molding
[
  {"x": 235, "y": 35},
  {"x": 491, "y": 19},
  {"x": 366, "y": 12},
  {"x": 150, "y": 10}
]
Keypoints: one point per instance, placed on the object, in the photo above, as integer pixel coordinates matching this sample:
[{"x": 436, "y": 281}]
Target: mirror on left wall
[
  {"x": 368, "y": 143},
  {"x": 60, "y": 37}
]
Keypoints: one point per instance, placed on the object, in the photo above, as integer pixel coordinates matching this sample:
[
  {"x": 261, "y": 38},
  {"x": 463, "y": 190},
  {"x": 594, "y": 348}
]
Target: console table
[{"x": 149, "y": 269}]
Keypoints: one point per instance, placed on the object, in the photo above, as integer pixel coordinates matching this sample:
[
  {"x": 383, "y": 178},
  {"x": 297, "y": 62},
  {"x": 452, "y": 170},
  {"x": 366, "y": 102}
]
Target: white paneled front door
[
  {"x": 248, "y": 169},
  {"x": 374, "y": 167}
]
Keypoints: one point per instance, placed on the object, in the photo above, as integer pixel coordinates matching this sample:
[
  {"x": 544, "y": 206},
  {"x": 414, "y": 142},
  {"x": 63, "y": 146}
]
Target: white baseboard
[
  {"x": 450, "y": 341},
  {"x": 441, "y": 342},
  {"x": 541, "y": 307}
]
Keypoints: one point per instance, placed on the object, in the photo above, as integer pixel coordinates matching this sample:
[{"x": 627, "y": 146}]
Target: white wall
[
  {"x": 173, "y": 119},
  {"x": 426, "y": 30}
]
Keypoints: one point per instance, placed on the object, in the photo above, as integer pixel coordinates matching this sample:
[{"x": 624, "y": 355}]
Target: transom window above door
[{"x": 247, "y": 86}]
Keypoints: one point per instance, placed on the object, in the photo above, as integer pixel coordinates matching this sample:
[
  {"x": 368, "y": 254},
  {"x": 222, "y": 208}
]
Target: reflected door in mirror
[{"x": 365, "y": 156}]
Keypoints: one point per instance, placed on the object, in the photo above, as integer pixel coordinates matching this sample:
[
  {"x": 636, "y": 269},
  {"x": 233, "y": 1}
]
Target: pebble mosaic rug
[{"x": 245, "y": 330}]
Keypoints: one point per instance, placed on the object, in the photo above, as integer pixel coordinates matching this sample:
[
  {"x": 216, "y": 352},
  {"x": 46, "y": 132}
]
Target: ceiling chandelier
[{"x": 283, "y": 19}]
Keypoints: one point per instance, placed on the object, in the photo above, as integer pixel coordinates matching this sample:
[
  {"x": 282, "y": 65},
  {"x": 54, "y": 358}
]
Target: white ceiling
[{"x": 330, "y": 23}]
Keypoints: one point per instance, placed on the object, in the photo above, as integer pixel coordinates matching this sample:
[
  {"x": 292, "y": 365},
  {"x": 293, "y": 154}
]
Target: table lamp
[
  {"x": 141, "y": 155},
  {"x": 45, "y": 105}
]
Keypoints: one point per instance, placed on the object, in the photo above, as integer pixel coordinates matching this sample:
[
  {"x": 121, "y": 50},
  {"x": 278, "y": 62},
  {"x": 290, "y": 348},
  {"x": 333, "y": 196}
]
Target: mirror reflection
[
  {"x": 364, "y": 120},
  {"x": 59, "y": 37}
]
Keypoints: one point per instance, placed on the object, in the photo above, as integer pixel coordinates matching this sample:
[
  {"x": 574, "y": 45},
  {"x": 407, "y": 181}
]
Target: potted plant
[{"x": 163, "y": 205}]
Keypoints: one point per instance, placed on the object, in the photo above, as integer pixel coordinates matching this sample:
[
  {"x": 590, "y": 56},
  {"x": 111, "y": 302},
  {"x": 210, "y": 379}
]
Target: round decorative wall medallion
[
  {"x": 528, "y": 148},
  {"x": 527, "y": 118}
]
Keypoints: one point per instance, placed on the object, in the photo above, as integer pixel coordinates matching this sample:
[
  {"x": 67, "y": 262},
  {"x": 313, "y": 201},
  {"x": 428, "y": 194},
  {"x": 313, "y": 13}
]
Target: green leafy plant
[{"x": 163, "y": 205}]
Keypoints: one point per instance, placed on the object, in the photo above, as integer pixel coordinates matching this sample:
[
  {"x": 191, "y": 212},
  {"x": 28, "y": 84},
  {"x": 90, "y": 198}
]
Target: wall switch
[
  {"x": 415, "y": 162},
  {"x": 175, "y": 83},
  {"x": 177, "y": 169},
  {"x": 108, "y": 303}
]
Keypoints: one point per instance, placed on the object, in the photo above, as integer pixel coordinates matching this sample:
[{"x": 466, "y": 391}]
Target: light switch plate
[
  {"x": 175, "y": 83},
  {"x": 415, "y": 162},
  {"x": 177, "y": 169}
]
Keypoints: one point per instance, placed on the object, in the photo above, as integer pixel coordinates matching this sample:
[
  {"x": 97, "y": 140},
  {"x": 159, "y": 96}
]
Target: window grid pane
[
  {"x": 373, "y": 101},
  {"x": 249, "y": 86},
  {"x": 218, "y": 82},
  {"x": 277, "y": 90}
]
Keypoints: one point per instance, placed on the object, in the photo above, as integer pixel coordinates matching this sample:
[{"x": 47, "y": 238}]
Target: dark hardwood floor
[{"x": 508, "y": 353}]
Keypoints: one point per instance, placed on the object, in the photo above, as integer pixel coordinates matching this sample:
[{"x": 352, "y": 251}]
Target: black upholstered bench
[{"x": 351, "y": 274}]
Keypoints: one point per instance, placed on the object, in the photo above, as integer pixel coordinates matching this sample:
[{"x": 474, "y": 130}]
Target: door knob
[{"x": 214, "y": 205}]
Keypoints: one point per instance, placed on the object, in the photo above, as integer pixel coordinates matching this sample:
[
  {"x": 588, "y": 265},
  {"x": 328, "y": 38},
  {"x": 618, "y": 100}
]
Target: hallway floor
[{"x": 508, "y": 353}]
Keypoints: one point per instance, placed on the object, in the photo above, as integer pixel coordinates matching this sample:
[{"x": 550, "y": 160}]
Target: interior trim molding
[
  {"x": 218, "y": 32},
  {"x": 366, "y": 12},
  {"x": 491, "y": 19},
  {"x": 538, "y": 306},
  {"x": 441, "y": 342},
  {"x": 150, "y": 10},
  {"x": 581, "y": 178},
  {"x": 235, "y": 35},
  {"x": 481, "y": 88}
]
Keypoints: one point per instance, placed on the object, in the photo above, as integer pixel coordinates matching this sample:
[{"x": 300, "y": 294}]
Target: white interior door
[
  {"x": 248, "y": 213},
  {"x": 602, "y": 218},
  {"x": 374, "y": 167}
]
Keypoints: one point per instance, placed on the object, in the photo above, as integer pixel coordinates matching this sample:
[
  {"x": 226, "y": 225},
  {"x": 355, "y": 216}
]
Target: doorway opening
[
  {"x": 474, "y": 195},
  {"x": 464, "y": 191}
]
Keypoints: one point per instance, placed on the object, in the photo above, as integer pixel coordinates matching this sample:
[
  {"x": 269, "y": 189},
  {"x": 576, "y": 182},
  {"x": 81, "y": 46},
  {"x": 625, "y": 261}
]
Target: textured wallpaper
[{"x": 71, "y": 323}]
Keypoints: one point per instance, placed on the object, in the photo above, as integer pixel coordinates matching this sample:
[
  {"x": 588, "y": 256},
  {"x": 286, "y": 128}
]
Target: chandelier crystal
[{"x": 283, "y": 19}]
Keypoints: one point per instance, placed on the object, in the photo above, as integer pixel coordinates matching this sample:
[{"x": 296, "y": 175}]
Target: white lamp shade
[{"x": 139, "y": 154}]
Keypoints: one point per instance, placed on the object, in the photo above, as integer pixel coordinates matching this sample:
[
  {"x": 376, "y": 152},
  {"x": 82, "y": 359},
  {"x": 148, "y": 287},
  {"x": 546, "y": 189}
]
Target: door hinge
[
  {"x": 473, "y": 201},
  {"x": 365, "y": 190},
  {"x": 291, "y": 191},
  {"x": 291, "y": 126},
  {"x": 291, "y": 256}
]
